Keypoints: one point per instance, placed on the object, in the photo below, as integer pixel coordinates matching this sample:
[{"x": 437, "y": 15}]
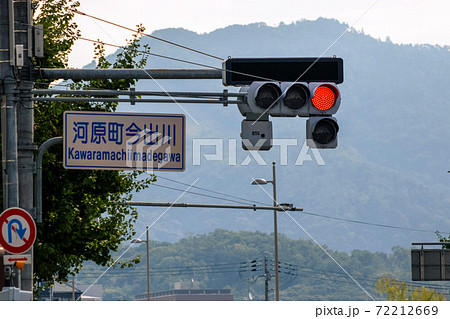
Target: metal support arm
[
  {"x": 38, "y": 184},
  {"x": 254, "y": 207},
  {"x": 113, "y": 74}
]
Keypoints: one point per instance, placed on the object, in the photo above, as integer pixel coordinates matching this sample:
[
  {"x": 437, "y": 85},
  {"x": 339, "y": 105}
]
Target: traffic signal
[
  {"x": 304, "y": 87},
  {"x": 290, "y": 99},
  {"x": 318, "y": 101},
  {"x": 262, "y": 97},
  {"x": 321, "y": 127},
  {"x": 276, "y": 99},
  {"x": 294, "y": 100},
  {"x": 321, "y": 132},
  {"x": 325, "y": 98}
]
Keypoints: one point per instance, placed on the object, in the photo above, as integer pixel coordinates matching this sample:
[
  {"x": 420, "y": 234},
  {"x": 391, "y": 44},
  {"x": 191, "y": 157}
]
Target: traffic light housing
[
  {"x": 294, "y": 100},
  {"x": 290, "y": 99},
  {"x": 288, "y": 87},
  {"x": 256, "y": 135},
  {"x": 318, "y": 101},
  {"x": 321, "y": 132}
]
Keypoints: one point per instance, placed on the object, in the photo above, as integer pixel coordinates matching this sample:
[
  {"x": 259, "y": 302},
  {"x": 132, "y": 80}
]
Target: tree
[
  {"x": 400, "y": 291},
  {"x": 84, "y": 214},
  {"x": 442, "y": 239}
]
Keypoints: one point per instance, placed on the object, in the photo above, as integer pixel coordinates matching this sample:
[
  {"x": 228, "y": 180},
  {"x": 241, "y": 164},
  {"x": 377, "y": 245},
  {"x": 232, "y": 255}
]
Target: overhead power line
[
  {"x": 148, "y": 35},
  {"x": 200, "y": 194},
  {"x": 372, "y": 224},
  {"x": 153, "y": 54},
  {"x": 182, "y": 60},
  {"x": 321, "y": 215},
  {"x": 211, "y": 191},
  {"x": 225, "y": 268}
]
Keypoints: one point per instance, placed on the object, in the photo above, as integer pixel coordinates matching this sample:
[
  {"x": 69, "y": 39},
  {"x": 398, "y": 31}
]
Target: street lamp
[
  {"x": 262, "y": 181},
  {"x": 140, "y": 241}
]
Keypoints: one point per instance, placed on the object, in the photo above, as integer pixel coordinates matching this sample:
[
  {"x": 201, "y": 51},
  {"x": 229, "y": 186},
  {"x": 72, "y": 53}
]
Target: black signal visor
[{"x": 244, "y": 71}]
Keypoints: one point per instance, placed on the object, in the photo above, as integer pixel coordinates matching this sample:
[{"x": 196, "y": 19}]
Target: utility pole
[
  {"x": 266, "y": 278},
  {"x": 8, "y": 111},
  {"x": 17, "y": 116},
  {"x": 8, "y": 106},
  {"x": 275, "y": 231},
  {"x": 25, "y": 119}
]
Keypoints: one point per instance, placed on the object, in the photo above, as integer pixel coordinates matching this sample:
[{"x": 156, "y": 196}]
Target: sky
[{"x": 403, "y": 21}]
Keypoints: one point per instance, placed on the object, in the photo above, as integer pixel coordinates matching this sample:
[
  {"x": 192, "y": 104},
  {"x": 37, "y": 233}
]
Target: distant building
[
  {"x": 91, "y": 292},
  {"x": 63, "y": 291},
  {"x": 184, "y": 291}
]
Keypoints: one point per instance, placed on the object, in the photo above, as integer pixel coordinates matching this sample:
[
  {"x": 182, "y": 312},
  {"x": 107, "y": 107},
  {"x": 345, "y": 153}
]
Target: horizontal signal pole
[
  {"x": 254, "y": 207},
  {"x": 125, "y": 100},
  {"x": 136, "y": 96},
  {"x": 92, "y": 74},
  {"x": 95, "y": 92},
  {"x": 441, "y": 243}
]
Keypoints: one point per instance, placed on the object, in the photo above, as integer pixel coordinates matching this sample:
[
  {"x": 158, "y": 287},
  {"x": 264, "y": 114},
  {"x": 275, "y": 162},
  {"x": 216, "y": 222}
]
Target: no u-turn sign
[{"x": 18, "y": 230}]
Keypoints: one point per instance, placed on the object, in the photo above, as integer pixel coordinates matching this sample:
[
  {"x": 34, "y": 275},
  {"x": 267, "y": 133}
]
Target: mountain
[{"x": 389, "y": 169}]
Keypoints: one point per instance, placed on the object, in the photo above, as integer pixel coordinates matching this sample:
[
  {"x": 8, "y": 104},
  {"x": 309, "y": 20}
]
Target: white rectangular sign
[
  {"x": 124, "y": 141},
  {"x": 11, "y": 259}
]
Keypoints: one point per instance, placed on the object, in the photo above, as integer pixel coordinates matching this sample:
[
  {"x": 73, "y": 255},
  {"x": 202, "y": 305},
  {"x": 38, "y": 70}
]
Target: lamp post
[
  {"x": 262, "y": 181},
  {"x": 140, "y": 241}
]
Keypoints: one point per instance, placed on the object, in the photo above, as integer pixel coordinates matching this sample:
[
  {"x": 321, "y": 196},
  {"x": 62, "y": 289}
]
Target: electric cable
[
  {"x": 183, "y": 61},
  {"x": 152, "y": 54},
  {"x": 247, "y": 267},
  {"x": 359, "y": 277},
  {"x": 371, "y": 224},
  {"x": 187, "y": 270},
  {"x": 214, "y": 192},
  {"x": 204, "y": 195},
  {"x": 326, "y": 216},
  {"x": 147, "y": 35}
]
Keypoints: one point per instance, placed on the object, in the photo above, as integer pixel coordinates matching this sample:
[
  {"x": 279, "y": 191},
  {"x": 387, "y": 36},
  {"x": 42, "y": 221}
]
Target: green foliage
[
  {"x": 397, "y": 290},
  {"x": 84, "y": 214},
  {"x": 60, "y": 31},
  {"x": 442, "y": 239},
  {"x": 213, "y": 260}
]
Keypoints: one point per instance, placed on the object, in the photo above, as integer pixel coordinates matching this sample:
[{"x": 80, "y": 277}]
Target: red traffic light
[{"x": 325, "y": 97}]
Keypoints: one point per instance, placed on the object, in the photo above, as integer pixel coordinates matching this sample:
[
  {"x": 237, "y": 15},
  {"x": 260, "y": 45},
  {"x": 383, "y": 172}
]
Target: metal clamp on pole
[
  {"x": 224, "y": 98},
  {"x": 133, "y": 96}
]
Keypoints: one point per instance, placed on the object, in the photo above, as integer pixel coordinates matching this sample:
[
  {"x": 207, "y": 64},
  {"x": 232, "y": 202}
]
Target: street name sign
[
  {"x": 124, "y": 141},
  {"x": 18, "y": 230}
]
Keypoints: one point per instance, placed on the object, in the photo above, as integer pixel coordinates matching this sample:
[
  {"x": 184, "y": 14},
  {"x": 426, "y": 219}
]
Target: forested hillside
[{"x": 223, "y": 259}]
